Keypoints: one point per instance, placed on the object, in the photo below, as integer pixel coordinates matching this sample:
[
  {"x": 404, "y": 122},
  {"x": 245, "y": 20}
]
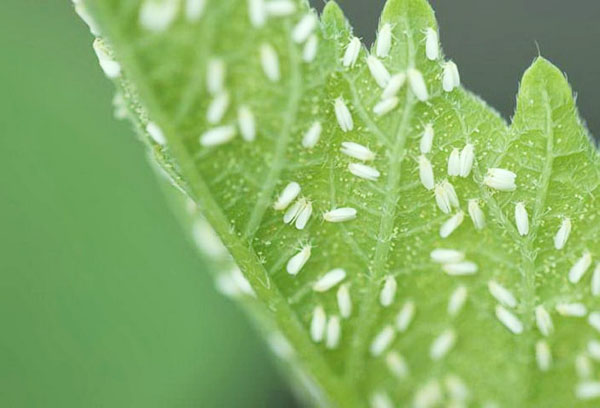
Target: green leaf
[{"x": 525, "y": 334}]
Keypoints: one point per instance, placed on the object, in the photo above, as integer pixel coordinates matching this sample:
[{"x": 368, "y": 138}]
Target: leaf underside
[{"x": 483, "y": 362}]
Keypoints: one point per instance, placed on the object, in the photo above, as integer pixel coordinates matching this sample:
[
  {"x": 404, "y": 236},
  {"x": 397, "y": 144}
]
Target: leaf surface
[{"x": 474, "y": 338}]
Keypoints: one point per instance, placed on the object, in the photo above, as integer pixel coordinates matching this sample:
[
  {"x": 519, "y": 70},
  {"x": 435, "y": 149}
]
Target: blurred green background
[{"x": 103, "y": 301}]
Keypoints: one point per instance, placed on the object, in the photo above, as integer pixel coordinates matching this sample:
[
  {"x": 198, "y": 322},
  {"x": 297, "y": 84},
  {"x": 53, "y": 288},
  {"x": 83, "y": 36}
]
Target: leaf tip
[
  {"x": 333, "y": 19},
  {"x": 416, "y": 9},
  {"x": 543, "y": 73}
]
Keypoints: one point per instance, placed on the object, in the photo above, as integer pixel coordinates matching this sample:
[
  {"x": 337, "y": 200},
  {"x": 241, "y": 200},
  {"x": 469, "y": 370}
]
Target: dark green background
[{"x": 103, "y": 301}]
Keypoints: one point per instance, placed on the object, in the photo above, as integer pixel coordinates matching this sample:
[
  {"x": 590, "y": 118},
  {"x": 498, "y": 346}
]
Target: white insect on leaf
[
  {"x": 442, "y": 344},
  {"x": 450, "y": 77},
  {"x": 397, "y": 364},
  {"x": 329, "y": 280},
  {"x": 405, "y": 316},
  {"x": 310, "y": 48},
  {"x": 457, "y": 300},
  {"x": 426, "y": 176},
  {"x": 194, "y": 9},
  {"x": 218, "y": 136},
  {"x": 381, "y": 400},
  {"x": 318, "y": 324},
  {"x": 501, "y": 294},
  {"x": 580, "y": 267},
  {"x": 304, "y": 28},
  {"x": 312, "y": 135},
  {"x": 270, "y": 62},
  {"x": 298, "y": 261},
  {"x": 451, "y": 224},
  {"x": 343, "y": 115},
  {"x": 257, "y": 12},
  {"x": 341, "y": 214},
  {"x": 158, "y": 15},
  {"x": 562, "y": 235},
  {"x": 543, "y": 321},
  {"x": 432, "y": 44},
  {"x": 246, "y": 123},
  {"x": 217, "y": 108},
  {"x": 304, "y": 215},
  {"x": 571, "y": 309},
  {"x": 442, "y": 199},
  {"x": 417, "y": 84},
  {"x": 215, "y": 76},
  {"x": 384, "y": 41},
  {"x": 509, "y": 320},
  {"x": 385, "y": 106},
  {"x": 364, "y": 171},
  {"x": 382, "y": 341},
  {"x": 595, "y": 286},
  {"x": 388, "y": 292},
  {"x": 378, "y": 71},
  {"x": 394, "y": 85},
  {"x": 427, "y": 139},
  {"x": 280, "y": 8},
  {"x": 333, "y": 332},
  {"x": 352, "y": 52},
  {"x": 156, "y": 133},
  {"x": 500, "y": 179},
  {"x": 446, "y": 256},
  {"x": 344, "y": 301},
  {"x": 476, "y": 214},
  {"x": 467, "y": 155},
  {"x": 521, "y": 218},
  {"x": 292, "y": 212},
  {"x": 454, "y": 163},
  {"x": 461, "y": 268},
  {"x": 357, "y": 151}
]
